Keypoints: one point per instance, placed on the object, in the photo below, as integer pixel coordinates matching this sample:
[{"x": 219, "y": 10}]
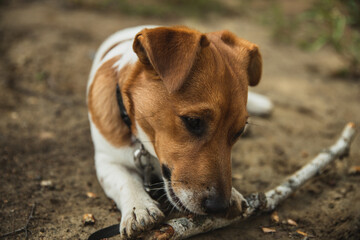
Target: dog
[{"x": 180, "y": 97}]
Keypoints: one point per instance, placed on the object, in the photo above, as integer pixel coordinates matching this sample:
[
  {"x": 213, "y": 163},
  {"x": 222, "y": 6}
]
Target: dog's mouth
[{"x": 175, "y": 201}]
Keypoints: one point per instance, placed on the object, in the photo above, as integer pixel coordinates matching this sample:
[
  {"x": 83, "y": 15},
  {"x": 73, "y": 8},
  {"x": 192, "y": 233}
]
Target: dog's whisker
[
  {"x": 157, "y": 189},
  {"x": 167, "y": 209},
  {"x": 172, "y": 209},
  {"x": 156, "y": 184},
  {"x": 255, "y": 124},
  {"x": 168, "y": 204},
  {"x": 162, "y": 196},
  {"x": 175, "y": 208}
]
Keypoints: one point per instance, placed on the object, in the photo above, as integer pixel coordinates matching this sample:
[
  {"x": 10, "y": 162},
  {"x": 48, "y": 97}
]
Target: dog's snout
[{"x": 215, "y": 204}]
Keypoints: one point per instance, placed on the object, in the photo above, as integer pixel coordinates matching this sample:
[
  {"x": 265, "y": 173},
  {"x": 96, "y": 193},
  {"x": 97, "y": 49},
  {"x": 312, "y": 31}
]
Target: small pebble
[
  {"x": 46, "y": 183},
  {"x": 91, "y": 195},
  {"x": 88, "y": 219}
]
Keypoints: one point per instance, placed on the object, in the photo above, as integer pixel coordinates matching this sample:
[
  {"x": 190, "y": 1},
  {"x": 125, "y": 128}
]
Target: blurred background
[
  {"x": 311, "y": 55},
  {"x": 310, "y": 25}
]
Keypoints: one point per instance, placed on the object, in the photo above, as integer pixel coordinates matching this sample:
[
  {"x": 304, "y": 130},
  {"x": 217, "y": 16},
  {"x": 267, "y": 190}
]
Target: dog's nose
[{"x": 215, "y": 204}]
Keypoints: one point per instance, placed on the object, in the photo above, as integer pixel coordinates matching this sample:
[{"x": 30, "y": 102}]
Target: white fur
[
  {"x": 149, "y": 146},
  {"x": 115, "y": 167},
  {"x": 141, "y": 135},
  {"x": 128, "y": 53}
]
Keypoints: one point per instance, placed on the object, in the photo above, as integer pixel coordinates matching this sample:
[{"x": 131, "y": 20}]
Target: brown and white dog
[{"x": 186, "y": 95}]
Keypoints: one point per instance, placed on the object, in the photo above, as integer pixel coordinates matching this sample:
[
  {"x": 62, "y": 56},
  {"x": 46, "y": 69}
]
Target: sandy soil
[{"x": 45, "y": 59}]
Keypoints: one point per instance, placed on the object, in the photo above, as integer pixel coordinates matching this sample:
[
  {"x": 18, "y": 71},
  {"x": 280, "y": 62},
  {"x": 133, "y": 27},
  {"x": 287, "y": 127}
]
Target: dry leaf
[
  {"x": 275, "y": 217},
  {"x": 354, "y": 170},
  {"x": 268, "y": 230},
  {"x": 291, "y": 222},
  {"x": 301, "y": 233},
  {"x": 88, "y": 219},
  {"x": 91, "y": 195}
]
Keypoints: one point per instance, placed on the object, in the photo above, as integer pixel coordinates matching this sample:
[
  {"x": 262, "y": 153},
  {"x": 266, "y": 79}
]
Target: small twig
[
  {"x": 185, "y": 227},
  {"x": 24, "y": 228}
]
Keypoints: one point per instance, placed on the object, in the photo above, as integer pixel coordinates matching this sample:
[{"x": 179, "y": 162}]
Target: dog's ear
[
  {"x": 250, "y": 50},
  {"x": 171, "y": 52}
]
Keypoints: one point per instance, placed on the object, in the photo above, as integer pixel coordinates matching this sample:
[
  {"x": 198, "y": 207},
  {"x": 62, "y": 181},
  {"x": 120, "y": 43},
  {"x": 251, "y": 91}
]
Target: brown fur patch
[
  {"x": 103, "y": 105},
  {"x": 240, "y": 52},
  {"x": 170, "y": 51}
]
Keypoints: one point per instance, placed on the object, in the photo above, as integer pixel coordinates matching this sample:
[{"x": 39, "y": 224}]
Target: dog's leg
[
  {"x": 124, "y": 185},
  {"x": 259, "y": 105}
]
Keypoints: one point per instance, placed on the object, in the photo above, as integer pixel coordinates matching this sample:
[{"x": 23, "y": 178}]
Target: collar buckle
[{"x": 142, "y": 162}]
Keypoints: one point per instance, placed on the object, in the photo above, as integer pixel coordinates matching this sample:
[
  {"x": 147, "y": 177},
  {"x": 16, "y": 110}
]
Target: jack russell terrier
[{"x": 171, "y": 101}]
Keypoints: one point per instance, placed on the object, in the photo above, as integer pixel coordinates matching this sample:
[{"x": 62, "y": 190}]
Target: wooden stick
[
  {"x": 24, "y": 228},
  {"x": 185, "y": 227}
]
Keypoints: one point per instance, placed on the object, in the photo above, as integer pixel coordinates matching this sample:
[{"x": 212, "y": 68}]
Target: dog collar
[
  {"x": 142, "y": 161},
  {"x": 123, "y": 113},
  {"x": 141, "y": 156}
]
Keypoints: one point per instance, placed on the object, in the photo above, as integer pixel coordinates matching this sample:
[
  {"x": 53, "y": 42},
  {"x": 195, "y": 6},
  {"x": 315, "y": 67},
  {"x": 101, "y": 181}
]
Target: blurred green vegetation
[
  {"x": 160, "y": 8},
  {"x": 334, "y": 23},
  {"x": 311, "y": 24}
]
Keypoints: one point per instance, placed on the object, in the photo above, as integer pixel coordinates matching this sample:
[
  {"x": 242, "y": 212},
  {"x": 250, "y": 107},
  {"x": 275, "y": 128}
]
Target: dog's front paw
[{"x": 139, "y": 219}]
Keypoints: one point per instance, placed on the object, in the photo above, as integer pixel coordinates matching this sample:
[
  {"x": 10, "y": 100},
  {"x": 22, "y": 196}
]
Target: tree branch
[
  {"x": 181, "y": 228},
  {"x": 24, "y": 228}
]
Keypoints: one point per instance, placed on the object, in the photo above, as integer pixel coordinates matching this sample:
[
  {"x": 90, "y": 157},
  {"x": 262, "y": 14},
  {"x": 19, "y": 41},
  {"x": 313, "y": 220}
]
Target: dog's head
[{"x": 189, "y": 105}]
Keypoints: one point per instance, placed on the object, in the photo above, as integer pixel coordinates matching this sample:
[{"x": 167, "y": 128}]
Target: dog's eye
[{"x": 193, "y": 125}]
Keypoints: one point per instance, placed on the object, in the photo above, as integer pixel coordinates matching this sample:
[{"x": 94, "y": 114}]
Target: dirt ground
[{"x": 45, "y": 58}]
